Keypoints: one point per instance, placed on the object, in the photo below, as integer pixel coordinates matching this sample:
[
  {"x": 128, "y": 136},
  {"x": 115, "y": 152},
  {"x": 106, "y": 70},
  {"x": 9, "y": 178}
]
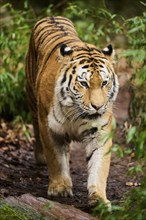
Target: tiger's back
[
  {"x": 71, "y": 87},
  {"x": 47, "y": 37}
]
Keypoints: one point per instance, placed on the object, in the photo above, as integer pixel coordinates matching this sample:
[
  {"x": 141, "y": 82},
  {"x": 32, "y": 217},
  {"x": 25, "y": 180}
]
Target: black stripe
[
  {"x": 31, "y": 97},
  {"x": 99, "y": 57},
  {"x": 114, "y": 85},
  {"x": 62, "y": 92},
  {"x": 111, "y": 94},
  {"x": 86, "y": 66},
  {"x": 31, "y": 62},
  {"x": 83, "y": 54},
  {"x": 90, "y": 117},
  {"x": 46, "y": 29},
  {"x": 62, "y": 19},
  {"x": 84, "y": 49},
  {"x": 52, "y": 37},
  {"x": 101, "y": 66},
  {"x": 84, "y": 123},
  {"x": 84, "y": 60},
  {"x": 41, "y": 38},
  {"x": 109, "y": 69},
  {"x": 89, "y": 50},
  {"x": 55, "y": 116},
  {"x": 42, "y": 29},
  {"x": 97, "y": 50},
  {"x": 105, "y": 124},
  {"x": 65, "y": 24},
  {"x": 53, "y": 23},
  {"x": 101, "y": 61},
  {"x": 90, "y": 131},
  {"x": 59, "y": 20},
  {"x": 64, "y": 77},
  {"x": 89, "y": 157},
  {"x": 74, "y": 70},
  {"x": 70, "y": 78},
  {"x": 60, "y": 139},
  {"x": 114, "y": 81},
  {"x": 40, "y": 22}
]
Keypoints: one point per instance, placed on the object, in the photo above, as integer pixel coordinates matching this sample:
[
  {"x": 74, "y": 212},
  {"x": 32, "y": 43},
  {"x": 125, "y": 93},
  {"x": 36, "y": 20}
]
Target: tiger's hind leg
[{"x": 38, "y": 147}]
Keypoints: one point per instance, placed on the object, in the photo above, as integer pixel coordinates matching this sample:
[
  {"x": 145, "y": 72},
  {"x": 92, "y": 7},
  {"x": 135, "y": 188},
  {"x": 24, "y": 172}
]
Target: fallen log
[{"x": 50, "y": 209}]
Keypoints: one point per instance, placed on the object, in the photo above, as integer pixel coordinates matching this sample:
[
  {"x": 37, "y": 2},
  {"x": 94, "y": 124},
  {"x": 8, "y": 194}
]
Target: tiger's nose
[{"x": 96, "y": 107}]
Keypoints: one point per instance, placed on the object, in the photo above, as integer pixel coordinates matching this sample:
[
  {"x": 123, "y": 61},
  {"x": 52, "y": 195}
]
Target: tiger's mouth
[
  {"x": 91, "y": 116},
  {"x": 86, "y": 113}
]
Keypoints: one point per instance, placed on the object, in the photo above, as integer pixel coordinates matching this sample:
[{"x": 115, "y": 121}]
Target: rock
[{"x": 49, "y": 209}]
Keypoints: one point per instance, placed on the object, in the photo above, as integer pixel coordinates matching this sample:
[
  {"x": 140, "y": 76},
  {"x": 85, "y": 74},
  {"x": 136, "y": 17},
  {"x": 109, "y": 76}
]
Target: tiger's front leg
[
  {"x": 57, "y": 158},
  {"x": 98, "y": 168}
]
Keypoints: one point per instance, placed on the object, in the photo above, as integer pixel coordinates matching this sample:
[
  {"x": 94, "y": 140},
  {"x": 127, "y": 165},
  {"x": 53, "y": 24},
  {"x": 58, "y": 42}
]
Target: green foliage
[
  {"x": 136, "y": 136},
  {"x": 134, "y": 30},
  {"x": 8, "y": 212},
  {"x": 48, "y": 206},
  {"x": 131, "y": 133},
  {"x": 133, "y": 207},
  {"x": 93, "y": 25},
  {"x": 14, "y": 42}
]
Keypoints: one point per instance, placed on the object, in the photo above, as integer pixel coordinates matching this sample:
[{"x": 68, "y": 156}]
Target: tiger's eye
[
  {"x": 104, "y": 83},
  {"x": 83, "y": 83}
]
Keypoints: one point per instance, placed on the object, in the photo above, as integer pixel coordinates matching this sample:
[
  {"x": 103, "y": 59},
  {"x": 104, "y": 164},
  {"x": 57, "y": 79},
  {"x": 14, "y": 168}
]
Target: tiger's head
[{"x": 87, "y": 80}]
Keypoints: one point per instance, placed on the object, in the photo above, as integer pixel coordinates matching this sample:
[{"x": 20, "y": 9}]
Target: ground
[{"x": 19, "y": 173}]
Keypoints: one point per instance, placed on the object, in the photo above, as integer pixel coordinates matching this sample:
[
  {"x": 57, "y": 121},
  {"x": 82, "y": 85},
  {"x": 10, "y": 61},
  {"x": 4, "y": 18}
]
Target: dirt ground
[{"x": 19, "y": 174}]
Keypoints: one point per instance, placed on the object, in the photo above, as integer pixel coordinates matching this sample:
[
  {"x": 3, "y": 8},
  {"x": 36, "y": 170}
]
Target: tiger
[{"x": 71, "y": 87}]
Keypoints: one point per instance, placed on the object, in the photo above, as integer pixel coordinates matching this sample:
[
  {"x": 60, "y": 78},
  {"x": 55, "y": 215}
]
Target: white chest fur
[{"x": 61, "y": 125}]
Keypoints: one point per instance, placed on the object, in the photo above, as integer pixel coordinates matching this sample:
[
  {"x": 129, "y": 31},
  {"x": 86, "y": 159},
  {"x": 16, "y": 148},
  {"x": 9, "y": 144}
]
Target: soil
[{"x": 19, "y": 174}]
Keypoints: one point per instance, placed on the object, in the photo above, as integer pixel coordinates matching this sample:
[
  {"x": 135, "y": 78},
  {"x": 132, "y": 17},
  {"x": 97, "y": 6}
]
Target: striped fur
[{"x": 71, "y": 87}]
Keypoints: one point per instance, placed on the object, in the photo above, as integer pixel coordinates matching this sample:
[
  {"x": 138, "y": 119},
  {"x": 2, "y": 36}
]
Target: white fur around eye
[{"x": 104, "y": 74}]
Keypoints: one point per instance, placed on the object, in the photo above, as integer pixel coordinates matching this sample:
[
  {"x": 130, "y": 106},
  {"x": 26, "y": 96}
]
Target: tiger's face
[{"x": 88, "y": 82}]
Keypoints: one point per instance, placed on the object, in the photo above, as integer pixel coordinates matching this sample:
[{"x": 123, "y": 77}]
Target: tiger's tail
[{"x": 31, "y": 74}]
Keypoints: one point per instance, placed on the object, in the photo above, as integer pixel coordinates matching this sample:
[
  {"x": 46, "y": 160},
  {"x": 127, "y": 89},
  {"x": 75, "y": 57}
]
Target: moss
[{"x": 8, "y": 212}]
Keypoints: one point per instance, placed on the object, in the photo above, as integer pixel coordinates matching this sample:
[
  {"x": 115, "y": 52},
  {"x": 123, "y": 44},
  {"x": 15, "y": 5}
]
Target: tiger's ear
[
  {"x": 65, "y": 50},
  {"x": 109, "y": 52}
]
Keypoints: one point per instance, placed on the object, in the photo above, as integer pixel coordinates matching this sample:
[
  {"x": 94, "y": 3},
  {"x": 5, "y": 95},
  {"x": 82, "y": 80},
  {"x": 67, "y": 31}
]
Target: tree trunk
[{"x": 49, "y": 209}]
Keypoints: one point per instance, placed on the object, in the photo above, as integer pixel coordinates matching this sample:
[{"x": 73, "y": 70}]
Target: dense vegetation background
[{"x": 122, "y": 23}]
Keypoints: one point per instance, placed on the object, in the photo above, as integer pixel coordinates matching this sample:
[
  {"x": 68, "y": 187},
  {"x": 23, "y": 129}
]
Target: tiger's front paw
[
  {"x": 60, "y": 187},
  {"x": 95, "y": 197}
]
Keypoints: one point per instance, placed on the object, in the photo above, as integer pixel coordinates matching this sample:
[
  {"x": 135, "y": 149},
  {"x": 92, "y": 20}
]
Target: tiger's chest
[{"x": 77, "y": 130}]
